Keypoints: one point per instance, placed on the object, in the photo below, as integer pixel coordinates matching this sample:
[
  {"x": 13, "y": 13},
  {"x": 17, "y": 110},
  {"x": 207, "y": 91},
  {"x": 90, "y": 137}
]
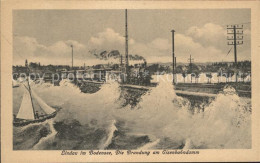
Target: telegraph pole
[
  {"x": 236, "y": 39},
  {"x": 175, "y": 63},
  {"x": 190, "y": 60},
  {"x": 173, "y": 57},
  {"x": 175, "y": 69},
  {"x": 72, "y": 56},
  {"x": 121, "y": 60},
  {"x": 126, "y": 46}
]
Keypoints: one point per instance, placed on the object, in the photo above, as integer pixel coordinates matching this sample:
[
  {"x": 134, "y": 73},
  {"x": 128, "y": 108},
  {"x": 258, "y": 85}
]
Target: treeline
[{"x": 243, "y": 66}]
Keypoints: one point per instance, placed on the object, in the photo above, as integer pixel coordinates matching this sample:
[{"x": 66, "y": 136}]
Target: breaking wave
[
  {"x": 161, "y": 120},
  {"x": 48, "y": 138},
  {"x": 110, "y": 135}
]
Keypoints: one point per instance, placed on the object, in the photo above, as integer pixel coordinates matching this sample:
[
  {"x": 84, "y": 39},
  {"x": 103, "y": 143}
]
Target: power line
[
  {"x": 224, "y": 25},
  {"x": 11, "y": 45},
  {"x": 229, "y": 51},
  {"x": 241, "y": 23}
]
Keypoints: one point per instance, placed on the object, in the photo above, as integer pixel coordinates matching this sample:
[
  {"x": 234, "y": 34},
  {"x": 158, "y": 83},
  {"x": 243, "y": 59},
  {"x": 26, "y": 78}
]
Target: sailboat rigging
[{"x": 27, "y": 113}]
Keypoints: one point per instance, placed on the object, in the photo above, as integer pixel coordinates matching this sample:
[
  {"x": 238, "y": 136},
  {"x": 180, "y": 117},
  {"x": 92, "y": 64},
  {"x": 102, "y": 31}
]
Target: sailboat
[{"x": 27, "y": 114}]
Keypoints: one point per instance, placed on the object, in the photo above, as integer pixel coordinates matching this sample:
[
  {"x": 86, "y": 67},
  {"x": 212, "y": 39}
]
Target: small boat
[{"x": 27, "y": 113}]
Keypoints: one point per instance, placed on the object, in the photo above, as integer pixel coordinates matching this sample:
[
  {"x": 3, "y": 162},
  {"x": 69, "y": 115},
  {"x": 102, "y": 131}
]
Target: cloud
[
  {"x": 247, "y": 32},
  {"x": 57, "y": 53},
  {"x": 156, "y": 48},
  {"x": 26, "y": 46},
  {"x": 109, "y": 40},
  {"x": 208, "y": 32},
  {"x": 186, "y": 46},
  {"x": 160, "y": 44},
  {"x": 206, "y": 43},
  {"x": 63, "y": 49},
  {"x": 160, "y": 50},
  {"x": 208, "y": 35},
  {"x": 215, "y": 35},
  {"x": 109, "y": 35}
]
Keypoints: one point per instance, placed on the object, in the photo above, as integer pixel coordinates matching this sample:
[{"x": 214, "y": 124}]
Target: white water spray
[
  {"x": 161, "y": 114},
  {"x": 112, "y": 129},
  {"x": 49, "y": 137},
  {"x": 149, "y": 145}
]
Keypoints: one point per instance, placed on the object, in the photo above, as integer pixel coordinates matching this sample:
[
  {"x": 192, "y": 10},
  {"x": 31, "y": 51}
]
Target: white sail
[
  {"x": 46, "y": 108},
  {"x": 26, "y": 108}
]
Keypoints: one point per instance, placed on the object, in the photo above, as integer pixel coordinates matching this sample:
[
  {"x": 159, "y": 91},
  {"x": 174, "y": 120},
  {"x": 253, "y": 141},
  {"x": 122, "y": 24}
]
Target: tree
[
  {"x": 184, "y": 74},
  {"x": 222, "y": 73},
  {"x": 26, "y": 63},
  {"x": 209, "y": 76},
  {"x": 219, "y": 74},
  {"x": 197, "y": 75},
  {"x": 33, "y": 65},
  {"x": 179, "y": 69},
  {"x": 243, "y": 76},
  {"x": 230, "y": 73}
]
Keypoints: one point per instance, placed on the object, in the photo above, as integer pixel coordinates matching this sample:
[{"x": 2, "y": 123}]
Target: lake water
[{"x": 161, "y": 120}]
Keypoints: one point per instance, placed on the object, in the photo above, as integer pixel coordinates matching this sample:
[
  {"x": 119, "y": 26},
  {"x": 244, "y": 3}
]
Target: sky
[{"x": 46, "y": 36}]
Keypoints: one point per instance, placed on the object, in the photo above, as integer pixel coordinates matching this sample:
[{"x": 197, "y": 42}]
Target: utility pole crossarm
[
  {"x": 235, "y": 30},
  {"x": 236, "y": 39},
  {"x": 240, "y": 33},
  {"x": 238, "y": 43}
]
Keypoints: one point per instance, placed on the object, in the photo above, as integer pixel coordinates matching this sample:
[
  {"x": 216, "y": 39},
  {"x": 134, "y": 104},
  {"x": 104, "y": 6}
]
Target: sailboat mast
[
  {"x": 30, "y": 93},
  {"x": 126, "y": 44}
]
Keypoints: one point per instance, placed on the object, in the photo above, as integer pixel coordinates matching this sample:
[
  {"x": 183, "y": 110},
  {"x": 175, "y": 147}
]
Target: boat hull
[{"x": 19, "y": 123}]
